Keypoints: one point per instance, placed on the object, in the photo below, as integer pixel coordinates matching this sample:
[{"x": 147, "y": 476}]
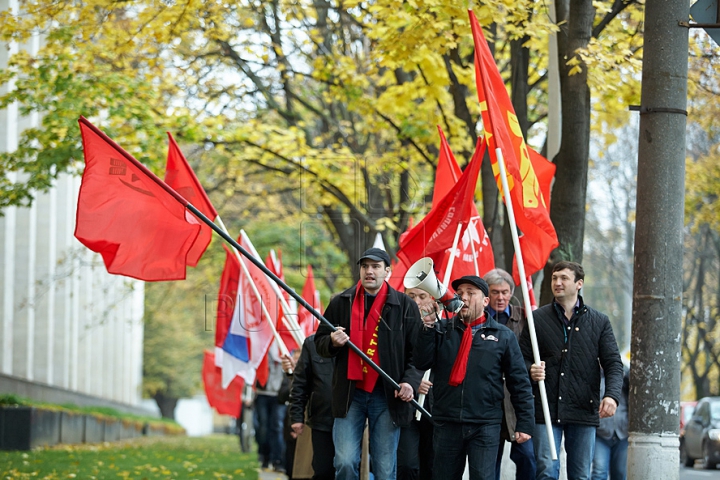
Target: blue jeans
[
  {"x": 454, "y": 442},
  {"x": 384, "y": 436},
  {"x": 522, "y": 455},
  {"x": 269, "y": 416},
  {"x": 579, "y": 446},
  {"x": 610, "y": 457}
]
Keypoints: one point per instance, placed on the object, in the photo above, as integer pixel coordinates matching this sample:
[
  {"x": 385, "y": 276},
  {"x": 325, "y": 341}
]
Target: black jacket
[
  {"x": 397, "y": 330},
  {"x": 572, "y": 371},
  {"x": 312, "y": 389},
  {"x": 494, "y": 353}
]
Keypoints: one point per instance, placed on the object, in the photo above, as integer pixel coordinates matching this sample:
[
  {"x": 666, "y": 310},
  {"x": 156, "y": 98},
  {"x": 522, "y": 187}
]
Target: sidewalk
[{"x": 266, "y": 475}]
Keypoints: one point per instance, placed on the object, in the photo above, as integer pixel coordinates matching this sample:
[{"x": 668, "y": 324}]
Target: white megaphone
[{"x": 421, "y": 275}]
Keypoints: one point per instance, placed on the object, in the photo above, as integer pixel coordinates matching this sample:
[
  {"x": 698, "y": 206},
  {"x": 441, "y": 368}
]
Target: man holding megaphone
[{"x": 470, "y": 355}]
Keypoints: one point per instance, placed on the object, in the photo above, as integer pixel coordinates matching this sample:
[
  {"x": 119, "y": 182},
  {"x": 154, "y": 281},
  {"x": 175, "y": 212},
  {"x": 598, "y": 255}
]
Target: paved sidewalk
[{"x": 269, "y": 475}]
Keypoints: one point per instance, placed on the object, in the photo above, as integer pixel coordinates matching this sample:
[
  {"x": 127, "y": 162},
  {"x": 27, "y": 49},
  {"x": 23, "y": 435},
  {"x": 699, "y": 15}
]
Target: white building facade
[{"x": 65, "y": 323}]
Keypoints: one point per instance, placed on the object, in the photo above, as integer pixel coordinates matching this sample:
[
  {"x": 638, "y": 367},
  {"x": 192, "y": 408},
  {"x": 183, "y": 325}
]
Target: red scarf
[
  {"x": 364, "y": 334},
  {"x": 457, "y": 374}
]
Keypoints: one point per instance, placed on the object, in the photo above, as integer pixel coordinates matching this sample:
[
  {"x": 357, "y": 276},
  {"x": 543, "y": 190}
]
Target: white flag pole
[
  {"x": 526, "y": 298},
  {"x": 451, "y": 261},
  {"x": 266, "y": 314},
  {"x": 472, "y": 246}
]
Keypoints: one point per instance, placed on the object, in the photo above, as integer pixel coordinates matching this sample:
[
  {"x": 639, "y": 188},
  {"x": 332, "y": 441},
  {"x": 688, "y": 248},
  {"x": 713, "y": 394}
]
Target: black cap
[
  {"x": 377, "y": 254},
  {"x": 472, "y": 280}
]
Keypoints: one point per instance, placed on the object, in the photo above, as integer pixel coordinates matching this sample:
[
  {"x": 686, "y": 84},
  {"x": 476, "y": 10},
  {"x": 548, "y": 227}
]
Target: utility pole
[{"x": 657, "y": 286}]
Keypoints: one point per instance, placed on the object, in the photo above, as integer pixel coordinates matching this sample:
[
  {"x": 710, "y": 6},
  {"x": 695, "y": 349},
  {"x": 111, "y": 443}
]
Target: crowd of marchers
[{"x": 474, "y": 371}]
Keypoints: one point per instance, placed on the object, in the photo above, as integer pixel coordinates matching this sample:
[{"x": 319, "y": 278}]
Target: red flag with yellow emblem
[{"x": 502, "y": 130}]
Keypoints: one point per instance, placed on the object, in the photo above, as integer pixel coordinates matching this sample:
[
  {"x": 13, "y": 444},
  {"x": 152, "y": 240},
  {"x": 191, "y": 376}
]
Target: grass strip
[{"x": 211, "y": 457}]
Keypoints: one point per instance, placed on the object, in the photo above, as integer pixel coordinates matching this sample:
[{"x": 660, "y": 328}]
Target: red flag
[
  {"x": 474, "y": 247},
  {"x": 399, "y": 269},
  {"x": 545, "y": 171},
  {"x": 124, "y": 214},
  {"x": 182, "y": 179},
  {"x": 435, "y": 233},
  {"x": 251, "y": 320},
  {"x": 248, "y": 335},
  {"x": 284, "y": 327},
  {"x": 310, "y": 294},
  {"x": 447, "y": 171},
  {"x": 474, "y": 255},
  {"x": 227, "y": 296},
  {"x": 226, "y": 401},
  {"x": 502, "y": 130}
]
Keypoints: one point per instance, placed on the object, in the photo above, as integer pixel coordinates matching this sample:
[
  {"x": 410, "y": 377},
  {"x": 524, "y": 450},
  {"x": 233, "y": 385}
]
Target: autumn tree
[
  {"x": 701, "y": 293},
  {"x": 334, "y": 100},
  {"x": 598, "y": 49}
]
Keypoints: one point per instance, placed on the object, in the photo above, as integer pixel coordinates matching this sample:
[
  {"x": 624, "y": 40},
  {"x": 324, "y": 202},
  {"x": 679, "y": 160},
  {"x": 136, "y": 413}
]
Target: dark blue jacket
[{"x": 494, "y": 354}]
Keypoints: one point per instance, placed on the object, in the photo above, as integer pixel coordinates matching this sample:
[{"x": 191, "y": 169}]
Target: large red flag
[
  {"x": 225, "y": 400},
  {"x": 310, "y": 294},
  {"x": 124, "y": 214},
  {"x": 502, "y": 130},
  {"x": 474, "y": 255},
  {"x": 436, "y": 232},
  {"x": 182, "y": 179}
]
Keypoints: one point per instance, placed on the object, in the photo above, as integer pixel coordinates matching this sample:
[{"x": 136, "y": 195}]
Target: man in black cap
[
  {"x": 470, "y": 354},
  {"x": 383, "y": 323}
]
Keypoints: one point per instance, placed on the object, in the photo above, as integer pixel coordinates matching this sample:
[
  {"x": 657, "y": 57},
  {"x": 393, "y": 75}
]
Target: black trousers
[
  {"x": 408, "y": 452},
  {"x": 323, "y": 455}
]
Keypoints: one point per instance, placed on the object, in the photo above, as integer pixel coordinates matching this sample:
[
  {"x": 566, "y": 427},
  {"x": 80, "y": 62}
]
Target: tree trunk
[
  {"x": 166, "y": 405},
  {"x": 567, "y": 209}
]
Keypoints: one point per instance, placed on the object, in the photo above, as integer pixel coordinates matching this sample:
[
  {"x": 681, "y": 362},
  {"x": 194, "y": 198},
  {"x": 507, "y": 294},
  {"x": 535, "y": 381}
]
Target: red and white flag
[{"x": 284, "y": 326}]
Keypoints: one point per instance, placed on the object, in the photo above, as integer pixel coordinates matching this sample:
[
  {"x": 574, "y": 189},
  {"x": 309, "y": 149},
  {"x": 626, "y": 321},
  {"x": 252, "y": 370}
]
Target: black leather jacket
[
  {"x": 311, "y": 390},
  {"x": 397, "y": 331}
]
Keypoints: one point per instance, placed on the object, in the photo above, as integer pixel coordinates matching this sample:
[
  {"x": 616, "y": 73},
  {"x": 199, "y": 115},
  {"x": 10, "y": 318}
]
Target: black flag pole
[
  {"x": 299, "y": 299},
  {"x": 201, "y": 216}
]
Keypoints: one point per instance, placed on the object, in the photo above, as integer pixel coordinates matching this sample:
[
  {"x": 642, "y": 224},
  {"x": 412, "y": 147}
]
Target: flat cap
[
  {"x": 472, "y": 280},
  {"x": 377, "y": 254}
]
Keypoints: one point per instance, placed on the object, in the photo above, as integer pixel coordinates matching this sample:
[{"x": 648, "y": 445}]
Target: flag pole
[
  {"x": 226, "y": 236},
  {"x": 472, "y": 248},
  {"x": 266, "y": 314},
  {"x": 451, "y": 260},
  {"x": 526, "y": 298}
]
